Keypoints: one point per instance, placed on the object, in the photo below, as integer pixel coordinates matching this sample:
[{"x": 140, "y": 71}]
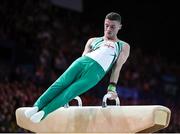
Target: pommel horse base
[{"x": 98, "y": 119}]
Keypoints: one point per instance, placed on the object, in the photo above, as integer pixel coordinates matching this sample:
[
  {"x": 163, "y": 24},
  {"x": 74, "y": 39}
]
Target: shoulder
[
  {"x": 125, "y": 45},
  {"x": 95, "y": 38},
  {"x": 90, "y": 40}
]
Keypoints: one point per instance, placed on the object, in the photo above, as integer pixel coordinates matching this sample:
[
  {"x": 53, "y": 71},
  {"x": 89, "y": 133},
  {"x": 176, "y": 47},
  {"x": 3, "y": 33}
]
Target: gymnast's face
[{"x": 111, "y": 28}]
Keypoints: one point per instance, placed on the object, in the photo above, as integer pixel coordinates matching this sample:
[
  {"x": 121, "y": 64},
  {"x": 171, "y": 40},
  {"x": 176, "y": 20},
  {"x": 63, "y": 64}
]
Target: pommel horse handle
[
  {"x": 76, "y": 98},
  {"x": 107, "y": 96}
]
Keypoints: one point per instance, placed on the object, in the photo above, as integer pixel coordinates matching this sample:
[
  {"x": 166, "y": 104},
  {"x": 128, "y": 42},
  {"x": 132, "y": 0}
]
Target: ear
[{"x": 120, "y": 26}]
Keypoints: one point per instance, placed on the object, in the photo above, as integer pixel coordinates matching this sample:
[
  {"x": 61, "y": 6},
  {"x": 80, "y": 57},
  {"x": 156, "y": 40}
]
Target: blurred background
[{"x": 39, "y": 39}]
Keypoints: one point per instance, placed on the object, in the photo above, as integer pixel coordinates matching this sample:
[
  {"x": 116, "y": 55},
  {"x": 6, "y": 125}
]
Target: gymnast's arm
[
  {"x": 118, "y": 65},
  {"x": 87, "y": 48}
]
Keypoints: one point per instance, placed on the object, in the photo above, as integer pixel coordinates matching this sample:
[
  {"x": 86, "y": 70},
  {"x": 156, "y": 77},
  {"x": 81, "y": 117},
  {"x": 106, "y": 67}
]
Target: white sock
[
  {"x": 29, "y": 112},
  {"x": 36, "y": 118}
]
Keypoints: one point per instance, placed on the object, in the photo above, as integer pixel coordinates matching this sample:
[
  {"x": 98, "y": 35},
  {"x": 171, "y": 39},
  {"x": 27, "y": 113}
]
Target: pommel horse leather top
[{"x": 98, "y": 119}]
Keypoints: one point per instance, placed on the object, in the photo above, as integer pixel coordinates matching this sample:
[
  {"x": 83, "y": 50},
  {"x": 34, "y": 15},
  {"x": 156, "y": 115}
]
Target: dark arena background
[{"x": 39, "y": 39}]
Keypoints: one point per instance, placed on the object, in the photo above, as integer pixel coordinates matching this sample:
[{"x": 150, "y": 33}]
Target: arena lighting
[{"x": 75, "y": 5}]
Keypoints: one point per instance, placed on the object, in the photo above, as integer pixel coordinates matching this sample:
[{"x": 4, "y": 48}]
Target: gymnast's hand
[
  {"x": 113, "y": 95},
  {"x": 112, "y": 91}
]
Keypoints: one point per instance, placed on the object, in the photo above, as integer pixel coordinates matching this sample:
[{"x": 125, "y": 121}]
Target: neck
[{"x": 112, "y": 39}]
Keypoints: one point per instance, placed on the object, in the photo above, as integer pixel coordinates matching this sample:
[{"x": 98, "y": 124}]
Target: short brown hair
[{"x": 113, "y": 16}]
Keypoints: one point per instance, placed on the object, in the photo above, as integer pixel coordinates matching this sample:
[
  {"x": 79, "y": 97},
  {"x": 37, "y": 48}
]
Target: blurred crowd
[{"x": 38, "y": 41}]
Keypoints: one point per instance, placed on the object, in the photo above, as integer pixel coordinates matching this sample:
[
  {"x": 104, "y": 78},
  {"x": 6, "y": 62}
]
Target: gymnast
[{"x": 99, "y": 56}]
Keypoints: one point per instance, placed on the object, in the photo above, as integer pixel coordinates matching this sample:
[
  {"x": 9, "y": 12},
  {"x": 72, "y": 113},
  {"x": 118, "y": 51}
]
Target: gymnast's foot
[
  {"x": 29, "y": 112},
  {"x": 36, "y": 118}
]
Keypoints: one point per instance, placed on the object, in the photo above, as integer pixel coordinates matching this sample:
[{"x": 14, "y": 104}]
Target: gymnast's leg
[
  {"x": 88, "y": 79},
  {"x": 65, "y": 80}
]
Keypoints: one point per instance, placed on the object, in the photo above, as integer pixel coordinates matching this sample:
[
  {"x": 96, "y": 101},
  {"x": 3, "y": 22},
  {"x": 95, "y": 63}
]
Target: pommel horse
[{"x": 99, "y": 119}]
